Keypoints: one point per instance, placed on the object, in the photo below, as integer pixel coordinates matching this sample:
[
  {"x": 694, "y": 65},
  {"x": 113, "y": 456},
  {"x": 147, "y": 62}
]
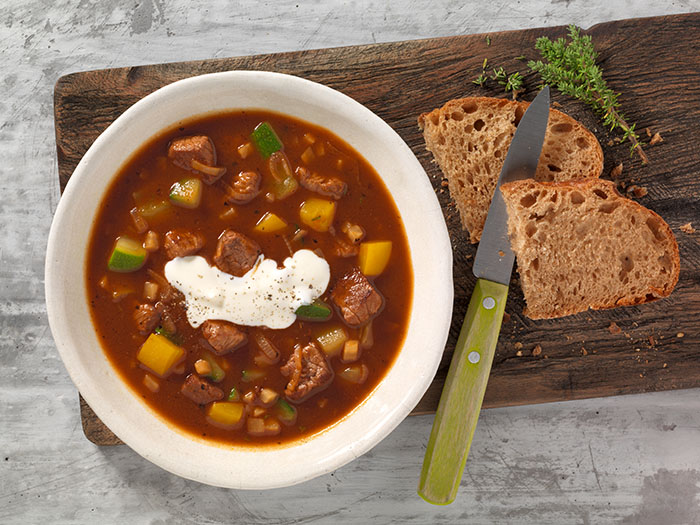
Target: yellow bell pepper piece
[
  {"x": 226, "y": 413},
  {"x": 373, "y": 257},
  {"x": 270, "y": 223},
  {"x": 317, "y": 214},
  {"x": 159, "y": 354}
]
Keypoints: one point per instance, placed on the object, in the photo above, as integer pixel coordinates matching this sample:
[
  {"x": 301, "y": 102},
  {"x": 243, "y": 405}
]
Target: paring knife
[{"x": 460, "y": 402}]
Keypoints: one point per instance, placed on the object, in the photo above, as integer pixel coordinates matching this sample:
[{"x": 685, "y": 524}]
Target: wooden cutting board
[{"x": 654, "y": 62}]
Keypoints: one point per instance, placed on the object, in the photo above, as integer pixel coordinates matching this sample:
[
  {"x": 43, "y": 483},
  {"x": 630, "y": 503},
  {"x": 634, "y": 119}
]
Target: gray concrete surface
[{"x": 632, "y": 459}]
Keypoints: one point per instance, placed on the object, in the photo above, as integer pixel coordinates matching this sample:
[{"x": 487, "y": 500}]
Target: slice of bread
[
  {"x": 582, "y": 245},
  {"x": 470, "y": 137}
]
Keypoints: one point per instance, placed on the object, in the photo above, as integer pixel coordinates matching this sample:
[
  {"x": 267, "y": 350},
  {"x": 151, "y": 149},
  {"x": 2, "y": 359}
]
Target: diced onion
[
  {"x": 268, "y": 396},
  {"x": 244, "y": 150},
  {"x": 255, "y": 426},
  {"x": 150, "y": 291},
  {"x": 355, "y": 232},
  {"x": 267, "y": 348},
  {"x": 351, "y": 351},
  {"x": 139, "y": 222},
  {"x": 308, "y": 156},
  {"x": 272, "y": 427},
  {"x": 213, "y": 171},
  {"x": 366, "y": 336},
  {"x": 151, "y": 383},
  {"x": 228, "y": 214},
  {"x": 356, "y": 374},
  {"x": 151, "y": 243}
]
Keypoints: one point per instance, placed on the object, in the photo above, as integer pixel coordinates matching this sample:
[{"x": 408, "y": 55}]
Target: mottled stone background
[{"x": 633, "y": 459}]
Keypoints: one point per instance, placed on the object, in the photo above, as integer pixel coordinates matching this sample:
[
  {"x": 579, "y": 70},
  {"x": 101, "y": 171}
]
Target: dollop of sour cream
[{"x": 265, "y": 296}]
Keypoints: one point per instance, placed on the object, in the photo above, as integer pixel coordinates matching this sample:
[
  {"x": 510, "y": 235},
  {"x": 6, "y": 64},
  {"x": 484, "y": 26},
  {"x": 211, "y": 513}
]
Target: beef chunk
[
  {"x": 358, "y": 300},
  {"x": 308, "y": 372},
  {"x": 184, "y": 150},
  {"x": 326, "y": 186},
  {"x": 179, "y": 243},
  {"x": 344, "y": 249},
  {"x": 200, "y": 390},
  {"x": 147, "y": 317},
  {"x": 222, "y": 336},
  {"x": 244, "y": 187},
  {"x": 236, "y": 253}
]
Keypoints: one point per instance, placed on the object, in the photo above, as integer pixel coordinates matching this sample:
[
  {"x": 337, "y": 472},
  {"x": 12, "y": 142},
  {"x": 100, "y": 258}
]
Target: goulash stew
[{"x": 249, "y": 277}]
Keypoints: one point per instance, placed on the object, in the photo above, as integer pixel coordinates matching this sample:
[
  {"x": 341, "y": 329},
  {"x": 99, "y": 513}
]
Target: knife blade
[{"x": 463, "y": 393}]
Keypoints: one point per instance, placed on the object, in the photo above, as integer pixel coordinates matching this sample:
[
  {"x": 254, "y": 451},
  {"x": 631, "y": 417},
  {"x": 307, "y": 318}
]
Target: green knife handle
[{"x": 460, "y": 402}]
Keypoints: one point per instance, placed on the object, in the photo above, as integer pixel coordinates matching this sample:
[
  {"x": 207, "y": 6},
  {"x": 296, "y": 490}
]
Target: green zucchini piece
[
  {"x": 285, "y": 412},
  {"x": 265, "y": 139},
  {"x": 186, "y": 193},
  {"x": 233, "y": 395},
  {"x": 128, "y": 255},
  {"x": 217, "y": 373},
  {"x": 248, "y": 376},
  {"x": 154, "y": 208},
  {"x": 316, "y": 311}
]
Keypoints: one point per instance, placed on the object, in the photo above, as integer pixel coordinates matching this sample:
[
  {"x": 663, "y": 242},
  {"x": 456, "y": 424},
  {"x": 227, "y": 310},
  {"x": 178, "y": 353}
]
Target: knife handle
[{"x": 460, "y": 402}]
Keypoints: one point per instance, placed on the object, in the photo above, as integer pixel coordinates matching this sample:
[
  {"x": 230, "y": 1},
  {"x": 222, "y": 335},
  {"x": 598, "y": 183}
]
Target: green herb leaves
[{"x": 571, "y": 67}]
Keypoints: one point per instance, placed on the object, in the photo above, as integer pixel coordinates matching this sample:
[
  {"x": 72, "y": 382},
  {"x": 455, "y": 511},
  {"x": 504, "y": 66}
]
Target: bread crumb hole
[
  {"x": 553, "y": 198},
  {"x": 655, "y": 227},
  {"x": 441, "y": 139},
  {"x": 469, "y": 108},
  {"x": 435, "y": 119},
  {"x": 576, "y": 197},
  {"x": 600, "y": 193},
  {"x": 582, "y": 143},
  {"x": 519, "y": 112},
  {"x": 528, "y": 200},
  {"x": 665, "y": 262},
  {"x": 627, "y": 263},
  {"x": 552, "y": 167},
  {"x": 468, "y": 128},
  {"x": 497, "y": 154},
  {"x": 608, "y": 207},
  {"x": 457, "y": 116},
  {"x": 479, "y": 125},
  {"x": 530, "y": 230},
  {"x": 536, "y": 263},
  {"x": 563, "y": 127}
]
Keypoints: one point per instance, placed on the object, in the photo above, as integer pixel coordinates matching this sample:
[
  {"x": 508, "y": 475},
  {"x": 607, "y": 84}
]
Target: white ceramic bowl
[{"x": 113, "y": 401}]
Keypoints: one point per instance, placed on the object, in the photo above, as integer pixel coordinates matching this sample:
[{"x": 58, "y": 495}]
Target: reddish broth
[{"x": 113, "y": 297}]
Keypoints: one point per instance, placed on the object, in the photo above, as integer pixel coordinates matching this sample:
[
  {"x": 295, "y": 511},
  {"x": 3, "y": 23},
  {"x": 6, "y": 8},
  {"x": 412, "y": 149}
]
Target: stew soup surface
[{"x": 245, "y": 191}]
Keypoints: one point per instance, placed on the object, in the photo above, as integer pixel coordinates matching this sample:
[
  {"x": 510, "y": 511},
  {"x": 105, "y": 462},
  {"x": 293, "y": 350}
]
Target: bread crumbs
[
  {"x": 637, "y": 191},
  {"x": 519, "y": 353},
  {"x": 614, "y": 329},
  {"x": 680, "y": 335},
  {"x": 518, "y": 345},
  {"x": 616, "y": 171},
  {"x": 655, "y": 139},
  {"x": 687, "y": 228},
  {"x": 537, "y": 350}
]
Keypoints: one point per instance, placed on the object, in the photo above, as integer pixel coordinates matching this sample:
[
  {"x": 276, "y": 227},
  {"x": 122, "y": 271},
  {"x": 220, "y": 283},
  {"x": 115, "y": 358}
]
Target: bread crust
[
  {"x": 471, "y": 158},
  {"x": 514, "y": 190}
]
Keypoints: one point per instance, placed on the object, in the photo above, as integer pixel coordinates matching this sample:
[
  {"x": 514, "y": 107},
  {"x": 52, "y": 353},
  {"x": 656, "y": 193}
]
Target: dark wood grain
[{"x": 654, "y": 62}]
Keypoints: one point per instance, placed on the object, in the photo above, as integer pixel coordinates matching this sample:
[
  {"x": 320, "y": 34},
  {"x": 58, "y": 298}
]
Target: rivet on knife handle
[{"x": 462, "y": 395}]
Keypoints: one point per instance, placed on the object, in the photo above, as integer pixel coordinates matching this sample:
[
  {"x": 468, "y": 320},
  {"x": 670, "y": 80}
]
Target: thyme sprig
[
  {"x": 571, "y": 67},
  {"x": 513, "y": 82}
]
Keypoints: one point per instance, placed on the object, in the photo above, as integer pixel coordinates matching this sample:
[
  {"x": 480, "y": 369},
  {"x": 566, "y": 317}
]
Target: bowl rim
[{"x": 121, "y": 424}]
